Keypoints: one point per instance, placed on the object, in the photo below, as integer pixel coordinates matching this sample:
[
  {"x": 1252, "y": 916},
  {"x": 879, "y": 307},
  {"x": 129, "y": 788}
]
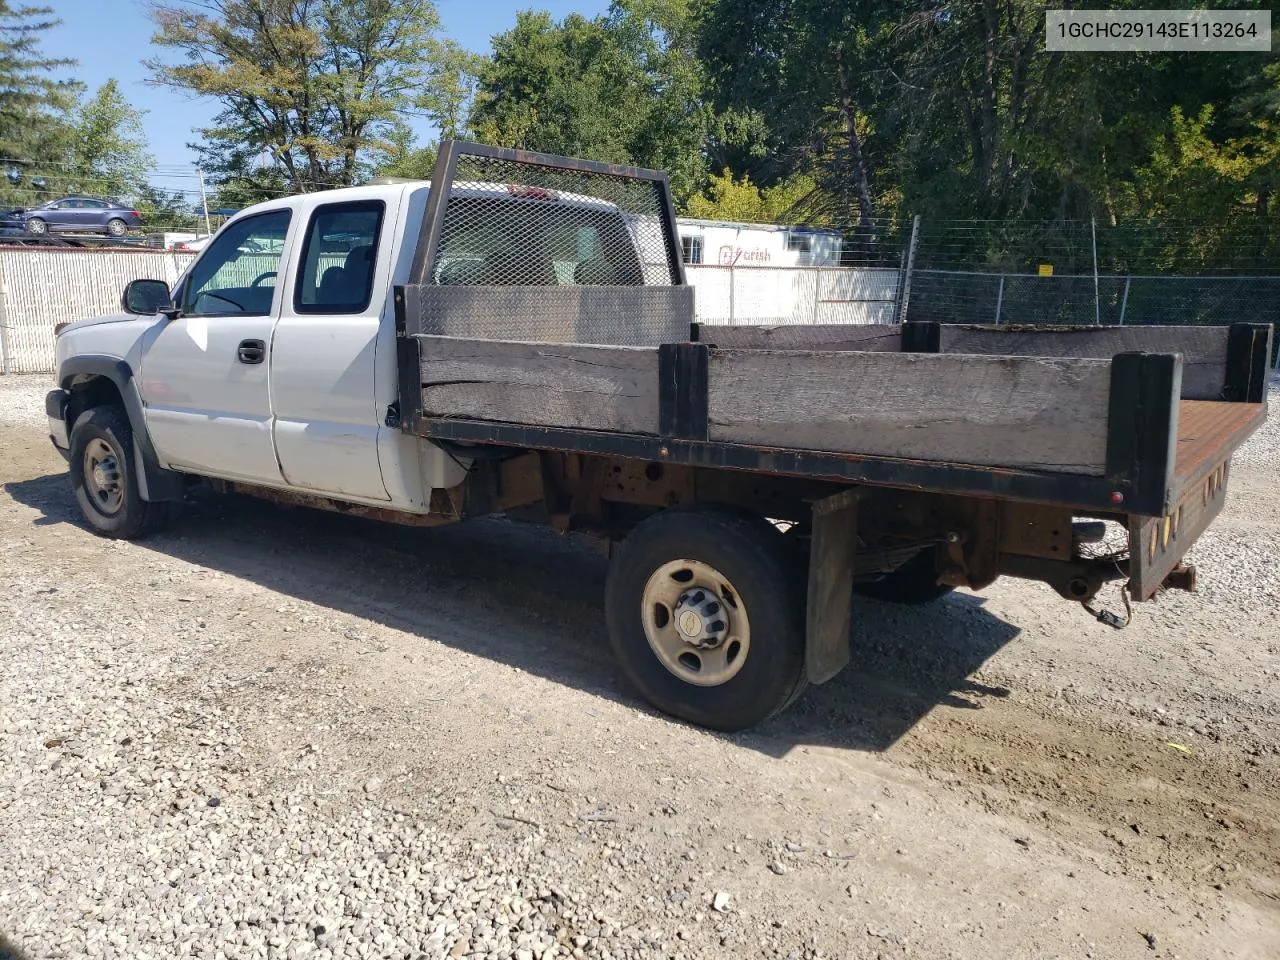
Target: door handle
[{"x": 251, "y": 351}]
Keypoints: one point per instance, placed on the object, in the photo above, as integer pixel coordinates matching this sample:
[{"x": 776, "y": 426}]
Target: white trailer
[{"x": 726, "y": 244}]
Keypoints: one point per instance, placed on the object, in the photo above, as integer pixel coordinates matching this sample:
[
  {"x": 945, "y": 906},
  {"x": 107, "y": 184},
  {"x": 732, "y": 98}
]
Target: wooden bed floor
[{"x": 1208, "y": 430}]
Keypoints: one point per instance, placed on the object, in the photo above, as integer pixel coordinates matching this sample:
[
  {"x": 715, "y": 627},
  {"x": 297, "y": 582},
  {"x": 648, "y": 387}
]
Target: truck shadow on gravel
[{"x": 524, "y": 597}]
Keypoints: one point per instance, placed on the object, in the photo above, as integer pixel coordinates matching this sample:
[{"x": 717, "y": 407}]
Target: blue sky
[{"x": 111, "y": 38}]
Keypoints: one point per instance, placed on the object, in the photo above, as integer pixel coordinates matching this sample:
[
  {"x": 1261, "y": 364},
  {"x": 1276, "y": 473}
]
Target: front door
[
  {"x": 60, "y": 215},
  {"x": 205, "y": 374}
]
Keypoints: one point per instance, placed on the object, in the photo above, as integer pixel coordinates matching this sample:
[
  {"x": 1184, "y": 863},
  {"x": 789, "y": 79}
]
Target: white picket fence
[{"x": 40, "y": 288}]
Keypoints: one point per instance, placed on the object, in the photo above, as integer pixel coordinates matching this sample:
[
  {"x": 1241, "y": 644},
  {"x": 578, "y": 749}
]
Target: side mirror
[{"x": 145, "y": 297}]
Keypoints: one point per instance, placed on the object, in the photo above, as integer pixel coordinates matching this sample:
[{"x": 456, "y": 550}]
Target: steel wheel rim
[
  {"x": 683, "y": 635},
  {"x": 102, "y": 480}
]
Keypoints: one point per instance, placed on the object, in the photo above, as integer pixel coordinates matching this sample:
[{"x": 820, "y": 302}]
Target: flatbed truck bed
[{"x": 903, "y": 460}]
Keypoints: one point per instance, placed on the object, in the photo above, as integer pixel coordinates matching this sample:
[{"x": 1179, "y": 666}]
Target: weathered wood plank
[
  {"x": 823, "y": 336},
  {"x": 1033, "y": 413},
  {"x": 1203, "y": 349},
  {"x": 571, "y": 385},
  {"x": 623, "y": 316}
]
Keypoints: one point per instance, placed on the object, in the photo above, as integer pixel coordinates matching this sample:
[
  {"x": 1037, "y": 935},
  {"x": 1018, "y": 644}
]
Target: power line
[{"x": 81, "y": 174}]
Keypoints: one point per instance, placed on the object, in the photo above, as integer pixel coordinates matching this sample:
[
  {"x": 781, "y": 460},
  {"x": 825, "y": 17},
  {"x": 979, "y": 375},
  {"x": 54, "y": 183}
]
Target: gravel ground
[
  {"x": 273, "y": 733},
  {"x": 22, "y": 399}
]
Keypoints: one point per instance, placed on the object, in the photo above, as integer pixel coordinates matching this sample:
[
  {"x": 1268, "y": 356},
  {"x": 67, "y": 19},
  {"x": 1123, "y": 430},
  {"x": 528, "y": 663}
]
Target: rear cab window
[
  {"x": 339, "y": 254},
  {"x": 541, "y": 240}
]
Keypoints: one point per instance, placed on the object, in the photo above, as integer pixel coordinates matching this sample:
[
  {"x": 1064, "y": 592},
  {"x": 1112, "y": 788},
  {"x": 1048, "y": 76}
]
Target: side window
[
  {"x": 237, "y": 273},
  {"x": 800, "y": 242},
  {"x": 338, "y": 257},
  {"x": 691, "y": 249}
]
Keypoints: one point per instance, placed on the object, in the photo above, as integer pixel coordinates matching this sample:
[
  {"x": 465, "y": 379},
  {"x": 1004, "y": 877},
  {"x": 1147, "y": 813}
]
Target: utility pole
[
  {"x": 1097, "y": 301},
  {"x": 905, "y": 296},
  {"x": 204, "y": 202}
]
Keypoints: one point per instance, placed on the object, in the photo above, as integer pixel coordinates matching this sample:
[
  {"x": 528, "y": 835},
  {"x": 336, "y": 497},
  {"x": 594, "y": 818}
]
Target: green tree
[
  {"x": 625, "y": 88},
  {"x": 34, "y": 101},
  {"x": 311, "y": 87},
  {"x": 452, "y": 79},
  {"x": 109, "y": 149},
  {"x": 164, "y": 210},
  {"x": 404, "y": 158},
  {"x": 816, "y": 73},
  {"x": 741, "y": 201}
]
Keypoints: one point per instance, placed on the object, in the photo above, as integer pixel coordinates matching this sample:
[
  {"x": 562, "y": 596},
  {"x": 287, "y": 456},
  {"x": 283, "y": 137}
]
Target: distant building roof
[{"x": 695, "y": 222}]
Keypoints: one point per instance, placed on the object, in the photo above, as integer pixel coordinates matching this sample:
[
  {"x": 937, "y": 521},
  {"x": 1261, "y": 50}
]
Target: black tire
[
  {"x": 914, "y": 583},
  {"x": 117, "y": 227},
  {"x": 749, "y": 554},
  {"x": 37, "y": 227},
  {"x": 133, "y": 517}
]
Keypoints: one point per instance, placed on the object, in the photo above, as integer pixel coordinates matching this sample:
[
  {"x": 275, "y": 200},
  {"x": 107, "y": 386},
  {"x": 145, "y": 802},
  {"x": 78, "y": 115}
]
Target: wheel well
[{"x": 88, "y": 391}]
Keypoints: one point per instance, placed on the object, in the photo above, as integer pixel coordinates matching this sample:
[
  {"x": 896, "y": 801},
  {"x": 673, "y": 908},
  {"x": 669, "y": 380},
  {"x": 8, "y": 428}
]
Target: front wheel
[
  {"x": 703, "y": 617},
  {"x": 103, "y": 477},
  {"x": 37, "y": 227},
  {"x": 117, "y": 227}
]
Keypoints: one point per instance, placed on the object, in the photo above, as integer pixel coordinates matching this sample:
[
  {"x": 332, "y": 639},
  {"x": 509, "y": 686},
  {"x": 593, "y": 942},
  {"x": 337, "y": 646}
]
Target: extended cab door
[
  {"x": 322, "y": 366},
  {"x": 205, "y": 374}
]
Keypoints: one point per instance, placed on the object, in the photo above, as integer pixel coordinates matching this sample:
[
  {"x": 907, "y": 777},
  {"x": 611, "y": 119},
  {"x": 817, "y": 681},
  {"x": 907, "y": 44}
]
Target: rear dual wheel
[{"x": 704, "y": 618}]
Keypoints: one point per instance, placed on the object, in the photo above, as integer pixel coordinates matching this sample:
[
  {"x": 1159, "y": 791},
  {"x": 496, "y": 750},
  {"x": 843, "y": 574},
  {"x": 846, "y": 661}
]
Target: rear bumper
[{"x": 55, "y": 408}]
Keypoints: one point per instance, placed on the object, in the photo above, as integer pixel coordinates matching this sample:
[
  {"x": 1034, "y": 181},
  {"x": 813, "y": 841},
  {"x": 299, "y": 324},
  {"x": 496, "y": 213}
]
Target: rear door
[
  {"x": 92, "y": 214},
  {"x": 205, "y": 374},
  {"x": 322, "y": 367},
  {"x": 77, "y": 214}
]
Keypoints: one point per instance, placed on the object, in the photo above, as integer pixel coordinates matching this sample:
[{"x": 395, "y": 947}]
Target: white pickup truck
[{"x": 521, "y": 341}]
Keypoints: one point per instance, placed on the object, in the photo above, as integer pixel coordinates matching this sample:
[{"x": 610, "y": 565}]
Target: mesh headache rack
[
  {"x": 533, "y": 247},
  {"x": 529, "y": 246}
]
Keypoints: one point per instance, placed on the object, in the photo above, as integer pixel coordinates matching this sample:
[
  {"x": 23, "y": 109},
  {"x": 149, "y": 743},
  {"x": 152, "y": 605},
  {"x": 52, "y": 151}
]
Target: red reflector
[{"x": 1117, "y": 497}]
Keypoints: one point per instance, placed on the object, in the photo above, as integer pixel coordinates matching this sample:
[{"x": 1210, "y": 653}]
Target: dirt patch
[{"x": 416, "y": 741}]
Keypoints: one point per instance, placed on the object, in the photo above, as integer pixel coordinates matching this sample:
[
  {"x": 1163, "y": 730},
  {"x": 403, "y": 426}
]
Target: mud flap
[{"x": 829, "y": 608}]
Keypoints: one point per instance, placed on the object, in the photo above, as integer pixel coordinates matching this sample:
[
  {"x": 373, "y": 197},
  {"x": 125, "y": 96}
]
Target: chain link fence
[
  {"x": 959, "y": 296},
  {"x": 1084, "y": 272}
]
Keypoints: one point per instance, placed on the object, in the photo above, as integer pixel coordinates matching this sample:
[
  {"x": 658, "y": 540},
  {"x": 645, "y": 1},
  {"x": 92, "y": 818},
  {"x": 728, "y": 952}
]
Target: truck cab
[{"x": 272, "y": 361}]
